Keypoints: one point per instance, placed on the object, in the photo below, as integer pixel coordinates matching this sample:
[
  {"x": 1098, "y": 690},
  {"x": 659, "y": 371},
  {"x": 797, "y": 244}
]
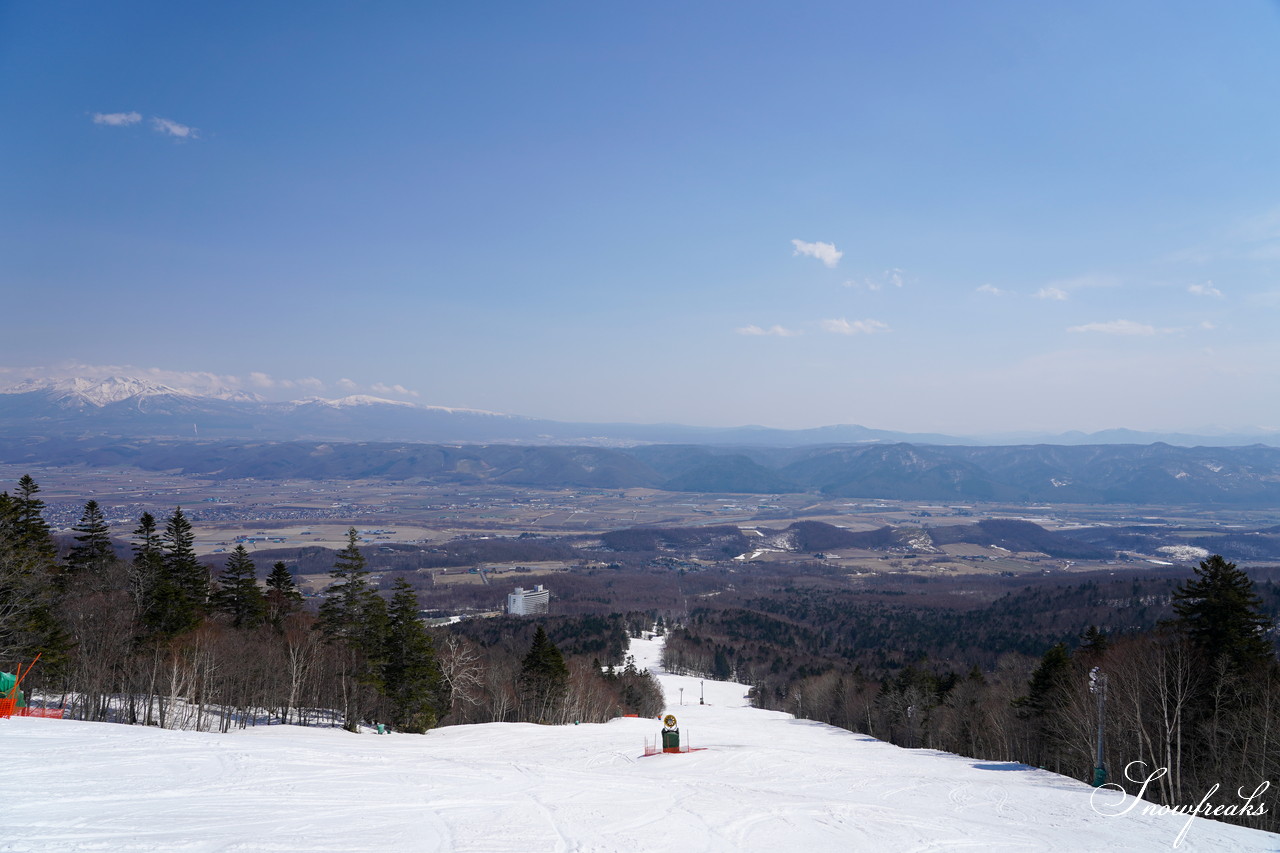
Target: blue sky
[{"x": 964, "y": 217}]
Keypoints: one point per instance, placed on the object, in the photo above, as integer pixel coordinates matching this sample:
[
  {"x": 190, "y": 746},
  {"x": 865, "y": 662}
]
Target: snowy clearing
[{"x": 765, "y": 782}]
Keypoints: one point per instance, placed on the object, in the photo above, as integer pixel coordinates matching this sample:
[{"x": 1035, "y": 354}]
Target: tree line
[
  {"x": 156, "y": 638},
  {"x": 1195, "y": 699}
]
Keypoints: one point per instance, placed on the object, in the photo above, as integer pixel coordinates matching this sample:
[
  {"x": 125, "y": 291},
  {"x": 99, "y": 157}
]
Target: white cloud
[
  {"x": 347, "y": 385},
  {"x": 857, "y": 327},
  {"x": 383, "y": 388},
  {"x": 825, "y": 252},
  {"x": 165, "y": 126},
  {"x": 772, "y": 331},
  {"x": 1116, "y": 327},
  {"x": 117, "y": 119},
  {"x": 1206, "y": 289},
  {"x": 894, "y": 277},
  {"x": 265, "y": 380},
  {"x": 991, "y": 290},
  {"x": 171, "y": 128},
  {"x": 1061, "y": 290}
]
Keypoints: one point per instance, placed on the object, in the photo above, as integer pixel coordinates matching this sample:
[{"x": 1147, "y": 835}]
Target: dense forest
[{"x": 160, "y": 639}]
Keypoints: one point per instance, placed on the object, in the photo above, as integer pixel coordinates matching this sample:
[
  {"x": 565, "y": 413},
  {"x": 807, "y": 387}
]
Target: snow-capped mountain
[
  {"x": 236, "y": 396},
  {"x": 352, "y": 401},
  {"x": 80, "y": 393},
  {"x": 137, "y": 408}
]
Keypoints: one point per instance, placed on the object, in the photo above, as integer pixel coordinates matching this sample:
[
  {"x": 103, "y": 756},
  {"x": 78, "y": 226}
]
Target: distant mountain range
[
  {"x": 133, "y": 408},
  {"x": 1158, "y": 474}
]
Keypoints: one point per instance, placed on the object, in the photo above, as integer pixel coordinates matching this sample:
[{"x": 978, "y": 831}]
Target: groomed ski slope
[{"x": 765, "y": 782}]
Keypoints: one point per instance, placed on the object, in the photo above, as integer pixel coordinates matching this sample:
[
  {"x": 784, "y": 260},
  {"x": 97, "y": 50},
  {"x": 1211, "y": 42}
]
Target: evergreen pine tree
[
  {"x": 283, "y": 596},
  {"x": 1047, "y": 680},
  {"x": 238, "y": 594},
  {"x": 1222, "y": 616},
  {"x": 412, "y": 680},
  {"x": 1093, "y": 645},
  {"x": 30, "y": 530},
  {"x": 544, "y": 679},
  {"x": 344, "y": 612},
  {"x": 721, "y": 670},
  {"x": 354, "y": 618},
  {"x": 28, "y": 574},
  {"x": 148, "y": 584},
  {"x": 92, "y": 552},
  {"x": 25, "y": 591},
  {"x": 184, "y": 584}
]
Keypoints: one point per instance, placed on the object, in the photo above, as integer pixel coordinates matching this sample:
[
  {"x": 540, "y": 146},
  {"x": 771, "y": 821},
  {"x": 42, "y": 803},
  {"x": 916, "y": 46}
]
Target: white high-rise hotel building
[{"x": 528, "y": 602}]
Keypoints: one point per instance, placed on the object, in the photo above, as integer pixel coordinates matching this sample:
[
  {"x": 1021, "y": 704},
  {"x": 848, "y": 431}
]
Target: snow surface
[{"x": 763, "y": 782}]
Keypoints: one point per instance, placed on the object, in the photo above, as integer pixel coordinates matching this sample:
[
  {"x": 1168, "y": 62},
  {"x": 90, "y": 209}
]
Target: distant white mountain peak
[
  {"x": 357, "y": 400},
  {"x": 95, "y": 392}
]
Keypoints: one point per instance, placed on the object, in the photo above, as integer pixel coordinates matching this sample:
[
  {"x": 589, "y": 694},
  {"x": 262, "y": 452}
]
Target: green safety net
[{"x": 7, "y": 682}]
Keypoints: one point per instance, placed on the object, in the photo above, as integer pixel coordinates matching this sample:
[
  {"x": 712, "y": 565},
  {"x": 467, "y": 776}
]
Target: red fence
[{"x": 9, "y": 708}]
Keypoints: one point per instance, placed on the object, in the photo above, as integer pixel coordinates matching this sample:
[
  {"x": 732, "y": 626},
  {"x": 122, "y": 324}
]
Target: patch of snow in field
[{"x": 1183, "y": 553}]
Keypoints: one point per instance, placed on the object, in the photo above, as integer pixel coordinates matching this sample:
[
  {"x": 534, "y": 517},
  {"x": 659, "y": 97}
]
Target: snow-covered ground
[{"x": 764, "y": 782}]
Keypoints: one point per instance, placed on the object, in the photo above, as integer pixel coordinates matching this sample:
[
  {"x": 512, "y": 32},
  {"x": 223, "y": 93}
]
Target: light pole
[
  {"x": 702, "y": 694},
  {"x": 1098, "y": 687}
]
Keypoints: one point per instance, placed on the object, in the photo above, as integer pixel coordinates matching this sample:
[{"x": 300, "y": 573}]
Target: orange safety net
[
  {"x": 50, "y": 713},
  {"x": 9, "y": 701},
  {"x": 8, "y": 708}
]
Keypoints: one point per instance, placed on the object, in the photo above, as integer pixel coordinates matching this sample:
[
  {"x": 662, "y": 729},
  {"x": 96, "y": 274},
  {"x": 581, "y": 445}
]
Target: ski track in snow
[{"x": 764, "y": 782}]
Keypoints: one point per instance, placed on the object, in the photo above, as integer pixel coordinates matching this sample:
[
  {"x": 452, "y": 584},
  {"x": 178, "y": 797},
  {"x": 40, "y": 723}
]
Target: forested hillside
[
  {"x": 1188, "y": 666},
  {"x": 164, "y": 639}
]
